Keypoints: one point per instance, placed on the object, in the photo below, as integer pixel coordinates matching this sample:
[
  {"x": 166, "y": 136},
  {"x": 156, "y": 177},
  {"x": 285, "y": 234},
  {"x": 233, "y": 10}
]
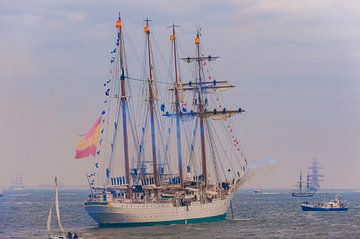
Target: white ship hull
[{"x": 140, "y": 214}]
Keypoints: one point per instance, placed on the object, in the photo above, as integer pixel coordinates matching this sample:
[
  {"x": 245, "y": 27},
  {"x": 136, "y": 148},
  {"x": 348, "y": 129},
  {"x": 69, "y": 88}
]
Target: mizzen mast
[
  {"x": 201, "y": 86},
  {"x": 151, "y": 102}
]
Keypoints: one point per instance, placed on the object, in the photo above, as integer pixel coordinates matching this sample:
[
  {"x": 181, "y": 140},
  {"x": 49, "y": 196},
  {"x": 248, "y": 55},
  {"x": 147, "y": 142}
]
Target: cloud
[{"x": 295, "y": 63}]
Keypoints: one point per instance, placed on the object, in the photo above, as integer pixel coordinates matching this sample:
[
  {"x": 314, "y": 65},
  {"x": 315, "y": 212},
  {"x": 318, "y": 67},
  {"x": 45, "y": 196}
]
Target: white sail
[
  {"x": 57, "y": 206},
  {"x": 49, "y": 223}
]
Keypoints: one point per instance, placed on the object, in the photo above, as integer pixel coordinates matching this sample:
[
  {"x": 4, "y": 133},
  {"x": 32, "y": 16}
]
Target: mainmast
[
  {"x": 151, "y": 102},
  {"x": 123, "y": 101},
  {"x": 177, "y": 103}
]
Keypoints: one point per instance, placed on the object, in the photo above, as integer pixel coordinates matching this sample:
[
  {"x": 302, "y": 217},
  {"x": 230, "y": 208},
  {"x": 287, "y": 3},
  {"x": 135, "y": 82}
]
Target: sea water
[{"x": 273, "y": 214}]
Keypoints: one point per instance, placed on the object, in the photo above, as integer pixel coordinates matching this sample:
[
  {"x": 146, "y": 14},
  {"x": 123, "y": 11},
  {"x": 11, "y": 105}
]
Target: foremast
[
  {"x": 124, "y": 105},
  {"x": 151, "y": 102}
]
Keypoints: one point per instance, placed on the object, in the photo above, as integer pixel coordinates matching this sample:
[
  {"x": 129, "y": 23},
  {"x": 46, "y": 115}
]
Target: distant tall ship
[
  {"x": 174, "y": 160},
  {"x": 302, "y": 191},
  {"x": 315, "y": 176},
  {"x": 17, "y": 182}
]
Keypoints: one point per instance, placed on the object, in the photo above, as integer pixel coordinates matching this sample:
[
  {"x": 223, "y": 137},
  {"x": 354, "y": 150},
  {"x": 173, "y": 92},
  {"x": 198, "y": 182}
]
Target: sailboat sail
[
  {"x": 57, "y": 206},
  {"x": 49, "y": 223}
]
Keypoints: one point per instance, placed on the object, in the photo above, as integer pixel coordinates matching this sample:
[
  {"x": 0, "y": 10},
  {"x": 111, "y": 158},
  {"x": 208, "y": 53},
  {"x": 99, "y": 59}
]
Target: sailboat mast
[
  {"x": 300, "y": 183},
  {"x": 124, "y": 104},
  {"x": 151, "y": 104},
  {"x": 57, "y": 206},
  {"x": 177, "y": 105},
  {"x": 201, "y": 110}
]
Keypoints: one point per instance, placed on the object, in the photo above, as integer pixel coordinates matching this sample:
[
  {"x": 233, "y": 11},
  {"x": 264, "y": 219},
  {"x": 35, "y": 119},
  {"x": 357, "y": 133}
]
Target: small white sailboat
[{"x": 62, "y": 234}]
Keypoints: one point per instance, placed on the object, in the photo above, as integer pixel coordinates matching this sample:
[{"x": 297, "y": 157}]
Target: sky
[{"x": 296, "y": 65}]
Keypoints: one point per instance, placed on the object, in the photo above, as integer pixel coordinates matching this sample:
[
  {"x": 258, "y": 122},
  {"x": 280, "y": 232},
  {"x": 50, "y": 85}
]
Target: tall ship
[
  {"x": 170, "y": 157},
  {"x": 17, "y": 182},
  {"x": 315, "y": 176},
  {"x": 302, "y": 191}
]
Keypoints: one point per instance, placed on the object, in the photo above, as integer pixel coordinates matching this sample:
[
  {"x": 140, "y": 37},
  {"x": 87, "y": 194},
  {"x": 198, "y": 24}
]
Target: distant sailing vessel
[
  {"x": 300, "y": 191},
  {"x": 315, "y": 176},
  {"x": 176, "y": 166},
  {"x": 334, "y": 205},
  {"x": 62, "y": 234},
  {"x": 17, "y": 182}
]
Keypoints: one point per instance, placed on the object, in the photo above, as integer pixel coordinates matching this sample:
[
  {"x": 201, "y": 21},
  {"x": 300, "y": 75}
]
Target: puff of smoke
[{"x": 260, "y": 167}]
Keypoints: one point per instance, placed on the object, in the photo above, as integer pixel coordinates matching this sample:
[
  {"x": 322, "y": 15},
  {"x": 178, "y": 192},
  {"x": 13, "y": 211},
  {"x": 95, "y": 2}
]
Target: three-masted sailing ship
[
  {"x": 164, "y": 161},
  {"x": 302, "y": 191}
]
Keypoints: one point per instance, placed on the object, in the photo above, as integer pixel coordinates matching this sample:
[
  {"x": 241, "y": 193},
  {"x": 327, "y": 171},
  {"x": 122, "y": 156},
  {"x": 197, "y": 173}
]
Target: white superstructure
[{"x": 108, "y": 210}]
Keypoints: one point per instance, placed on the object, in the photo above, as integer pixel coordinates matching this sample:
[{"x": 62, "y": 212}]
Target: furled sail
[
  {"x": 207, "y": 85},
  {"x": 199, "y": 58},
  {"x": 222, "y": 114},
  {"x": 155, "y": 89}
]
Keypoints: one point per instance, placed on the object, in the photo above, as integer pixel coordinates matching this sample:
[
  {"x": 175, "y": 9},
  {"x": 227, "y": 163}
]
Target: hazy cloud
[{"x": 295, "y": 62}]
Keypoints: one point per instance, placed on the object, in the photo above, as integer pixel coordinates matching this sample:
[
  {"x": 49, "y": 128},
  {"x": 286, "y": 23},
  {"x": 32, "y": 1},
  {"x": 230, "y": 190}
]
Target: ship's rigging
[{"x": 181, "y": 151}]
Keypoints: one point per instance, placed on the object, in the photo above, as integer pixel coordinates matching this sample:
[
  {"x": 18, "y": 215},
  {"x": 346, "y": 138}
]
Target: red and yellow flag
[{"x": 87, "y": 145}]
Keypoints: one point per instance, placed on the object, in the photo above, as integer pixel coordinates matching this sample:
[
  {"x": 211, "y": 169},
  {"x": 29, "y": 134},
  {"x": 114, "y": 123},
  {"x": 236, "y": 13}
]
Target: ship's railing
[{"x": 191, "y": 193}]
